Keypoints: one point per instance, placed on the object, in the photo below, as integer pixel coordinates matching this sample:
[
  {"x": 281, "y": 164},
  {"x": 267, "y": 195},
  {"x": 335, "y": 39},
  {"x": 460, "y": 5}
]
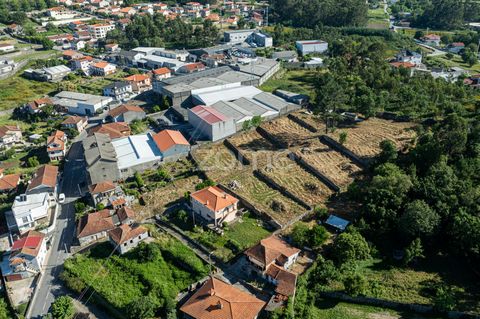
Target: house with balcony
[
  {"x": 56, "y": 146},
  {"x": 119, "y": 90},
  {"x": 214, "y": 205},
  {"x": 140, "y": 82},
  {"x": 9, "y": 136},
  {"x": 102, "y": 68}
]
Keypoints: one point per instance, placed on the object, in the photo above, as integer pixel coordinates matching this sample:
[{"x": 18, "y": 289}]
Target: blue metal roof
[{"x": 337, "y": 222}]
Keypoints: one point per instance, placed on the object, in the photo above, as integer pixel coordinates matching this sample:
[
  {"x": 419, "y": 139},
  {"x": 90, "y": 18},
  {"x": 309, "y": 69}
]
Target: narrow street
[{"x": 49, "y": 286}]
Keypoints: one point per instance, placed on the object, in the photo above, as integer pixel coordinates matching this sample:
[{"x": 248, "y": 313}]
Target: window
[
  {"x": 139, "y": 237},
  {"x": 131, "y": 241},
  {"x": 24, "y": 220},
  {"x": 125, "y": 244}
]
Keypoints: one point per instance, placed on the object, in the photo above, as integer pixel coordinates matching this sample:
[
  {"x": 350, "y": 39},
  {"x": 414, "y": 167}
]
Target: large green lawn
[
  {"x": 17, "y": 90},
  {"x": 298, "y": 81},
  {"x": 121, "y": 280},
  {"x": 378, "y": 19}
]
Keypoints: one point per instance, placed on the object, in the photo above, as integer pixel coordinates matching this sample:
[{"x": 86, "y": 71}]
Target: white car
[{"x": 61, "y": 198}]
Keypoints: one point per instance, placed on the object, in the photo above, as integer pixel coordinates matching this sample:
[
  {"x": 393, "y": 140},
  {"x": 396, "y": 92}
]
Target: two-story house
[
  {"x": 94, "y": 226},
  {"x": 56, "y": 146},
  {"x": 9, "y": 136},
  {"x": 172, "y": 144},
  {"x": 102, "y": 68},
  {"x": 104, "y": 193},
  {"x": 26, "y": 257},
  {"x": 140, "y": 82},
  {"x": 214, "y": 205},
  {"x": 119, "y": 90},
  {"x": 78, "y": 123}
]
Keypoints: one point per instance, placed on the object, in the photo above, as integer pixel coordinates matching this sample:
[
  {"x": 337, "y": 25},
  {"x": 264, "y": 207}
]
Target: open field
[
  {"x": 216, "y": 160},
  {"x": 299, "y": 81},
  {"x": 298, "y": 181},
  {"x": 255, "y": 148},
  {"x": 287, "y": 131},
  {"x": 331, "y": 163},
  {"x": 377, "y": 19},
  {"x": 364, "y": 138},
  {"x": 159, "y": 199}
]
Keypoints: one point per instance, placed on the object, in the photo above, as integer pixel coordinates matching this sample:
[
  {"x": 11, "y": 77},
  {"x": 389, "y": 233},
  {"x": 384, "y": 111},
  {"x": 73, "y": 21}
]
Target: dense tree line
[
  {"x": 439, "y": 14},
  {"x": 13, "y": 11},
  {"x": 360, "y": 80},
  {"x": 301, "y": 13},
  {"x": 156, "y": 31}
]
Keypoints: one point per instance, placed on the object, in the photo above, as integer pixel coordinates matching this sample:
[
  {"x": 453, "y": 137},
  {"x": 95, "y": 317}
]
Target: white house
[
  {"x": 100, "y": 30},
  {"x": 6, "y": 47},
  {"x": 56, "y": 147},
  {"x": 102, "y": 68},
  {"x": 10, "y": 135},
  {"x": 80, "y": 103},
  {"x": 26, "y": 257},
  {"x": 28, "y": 209},
  {"x": 214, "y": 205}
]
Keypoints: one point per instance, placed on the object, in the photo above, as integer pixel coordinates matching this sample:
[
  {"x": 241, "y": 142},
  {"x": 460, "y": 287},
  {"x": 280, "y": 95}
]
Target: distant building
[
  {"x": 113, "y": 130},
  {"x": 7, "y": 65},
  {"x": 9, "y": 136},
  {"x": 51, "y": 74},
  {"x": 126, "y": 113},
  {"x": 100, "y": 30},
  {"x": 44, "y": 180},
  {"x": 75, "y": 122},
  {"x": 36, "y": 105},
  {"x": 140, "y": 82},
  {"x": 102, "y": 68},
  {"x": 100, "y": 158},
  {"x": 80, "y": 103},
  {"x": 161, "y": 73},
  {"x": 119, "y": 90},
  {"x": 8, "y": 183},
  {"x": 456, "y": 47},
  {"x": 431, "y": 39},
  {"x": 6, "y": 47},
  {"x": 251, "y": 36},
  {"x": 311, "y": 46},
  {"x": 409, "y": 56},
  {"x": 210, "y": 123},
  {"x": 172, "y": 144},
  {"x": 214, "y": 205}
]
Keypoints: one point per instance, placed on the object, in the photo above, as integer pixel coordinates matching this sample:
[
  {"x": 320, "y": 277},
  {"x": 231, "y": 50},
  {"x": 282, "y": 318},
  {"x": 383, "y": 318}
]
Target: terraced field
[
  {"x": 217, "y": 161},
  {"x": 364, "y": 138},
  {"x": 287, "y": 131},
  {"x": 313, "y": 120},
  {"x": 298, "y": 181},
  {"x": 331, "y": 163},
  {"x": 255, "y": 148}
]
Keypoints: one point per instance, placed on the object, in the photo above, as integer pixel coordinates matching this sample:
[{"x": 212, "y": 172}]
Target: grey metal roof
[
  {"x": 256, "y": 109},
  {"x": 258, "y": 67},
  {"x": 117, "y": 85},
  {"x": 271, "y": 101},
  {"x": 231, "y": 110},
  {"x": 98, "y": 147},
  {"x": 57, "y": 69}
]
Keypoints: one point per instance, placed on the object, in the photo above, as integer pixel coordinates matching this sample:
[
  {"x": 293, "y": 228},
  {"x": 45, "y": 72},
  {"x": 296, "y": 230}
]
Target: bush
[
  {"x": 355, "y": 285},
  {"x": 33, "y": 161},
  {"x": 318, "y": 235},
  {"x": 100, "y": 206},
  {"x": 62, "y": 308},
  {"x": 139, "y": 180},
  {"x": 300, "y": 234},
  {"x": 79, "y": 207},
  {"x": 350, "y": 247},
  {"x": 206, "y": 183}
]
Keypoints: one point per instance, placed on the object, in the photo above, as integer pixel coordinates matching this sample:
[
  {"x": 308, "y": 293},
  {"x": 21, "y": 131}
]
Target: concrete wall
[
  {"x": 177, "y": 151},
  {"x": 132, "y": 243}
]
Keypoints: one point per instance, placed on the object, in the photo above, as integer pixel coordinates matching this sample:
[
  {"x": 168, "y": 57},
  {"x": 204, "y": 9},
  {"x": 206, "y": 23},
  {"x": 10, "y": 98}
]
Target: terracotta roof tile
[
  {"x": 9, "y": 182},
  {"x": 45, "y": 175},
  {"x": 124, "y": 109},
  {"x": 286, "y": 280},
  {"x": 124, "y": 233},
  {"x": 219, "y": 300},
  {"x": 271, "y": 249},
  {"x": 125, "y": 213},
  {"x": 101, "y": 187},
  {"x": 214, "y": 198},
  {"x": 28, "y": 244},
  {"x": 113, "y": 130},
  {"x": 168, "y": 138},
  {"x": 74, "y": 119},
  {"x": 95, "y": 223},
  {"x": 137, "y": 77}
]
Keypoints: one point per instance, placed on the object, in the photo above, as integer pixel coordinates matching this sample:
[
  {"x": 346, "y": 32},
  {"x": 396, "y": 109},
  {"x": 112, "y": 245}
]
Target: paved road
[{"x": 50, "y": 285}]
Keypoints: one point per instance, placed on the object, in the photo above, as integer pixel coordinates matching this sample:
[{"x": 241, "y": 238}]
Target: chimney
[
  {"x": 208, "y": 202},
  {"x": 211, "y": 292}
]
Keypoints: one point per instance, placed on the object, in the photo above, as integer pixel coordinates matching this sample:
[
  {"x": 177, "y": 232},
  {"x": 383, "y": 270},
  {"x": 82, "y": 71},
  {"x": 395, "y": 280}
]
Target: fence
[{"x": 344, "y": 151}]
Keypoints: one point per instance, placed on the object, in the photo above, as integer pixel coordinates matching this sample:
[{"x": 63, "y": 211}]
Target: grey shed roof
[
  {"x": 98, "y": 147},
  {"x": 57, "y": 69},
  {"x": 231, "y": 110},
  {"x": 255, "y": 108},
  {"x": 271, "y": 100},
  {"x": 117, "y": 85}
]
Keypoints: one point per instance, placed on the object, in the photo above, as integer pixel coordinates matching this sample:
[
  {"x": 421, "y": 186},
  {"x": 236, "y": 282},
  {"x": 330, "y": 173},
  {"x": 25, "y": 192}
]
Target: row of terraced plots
[{"x": 281, "y": 187}]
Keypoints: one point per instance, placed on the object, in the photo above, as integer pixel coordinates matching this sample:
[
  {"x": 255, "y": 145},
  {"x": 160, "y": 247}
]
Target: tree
[
  {"x": 100, "y": 206},
  {"x": 419, "y": 219},
  {"x": 388, "y": 152},
  {"x": 350, "y": 247},
  {"x": 139, "y": 180},
  {"x": 445, "y": 298},
  {"x": 318, "y": 235},
  {"x": 47, "y": 44},
  {"x": 79, "y": 207},
  {"x": 142, "y": 308},
  {"x": 149, "y": 252},
  {"x": 413, "y": 251},
  {"x": 342, "y": 137},
  {"x": 4, "y": 312},
  {"x": 300, "y": 234},
  {"x": 63, "y": 308},
  {"x": 355, "y": 285},
  {"x": 33, "y": 161}
]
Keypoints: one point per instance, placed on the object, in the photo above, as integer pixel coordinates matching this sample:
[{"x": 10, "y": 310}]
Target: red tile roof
[
  {"x": 125, "y": 213},
  {"x": 74, "y": 119},
  {"x": 286, "y": 280},
  {"x": 114, "y": 130},
  {"x": 101, "y": 65},
  {"x": 95, "y": 223},
  {"x": 209, "y": 114},
  {"x": 219, "y": 300},
  {"x": 28, "y": 244},
  {"x": 9, "y": 182},
  {"x": 214, "y": 198},
  {"x": 162, "y": 71},
  {"x": 137, "y": 77},
  {"x": 4, "y": 129},
  {"x": 124, "y": 233},
  {"x": 124, "y": 109},
  {"x": 194, "y": 66},
  {"x": 271, "y": 249},
  {"x": 46, "y": 176},
  {"x": 406, "y": 65},
  {"x": 169, "y": 138},
  {"x": 101, "y": 187}
]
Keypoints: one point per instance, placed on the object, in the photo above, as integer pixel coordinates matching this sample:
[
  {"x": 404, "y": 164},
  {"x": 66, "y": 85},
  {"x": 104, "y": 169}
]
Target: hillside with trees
[{"x": 311, "y": 13}]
